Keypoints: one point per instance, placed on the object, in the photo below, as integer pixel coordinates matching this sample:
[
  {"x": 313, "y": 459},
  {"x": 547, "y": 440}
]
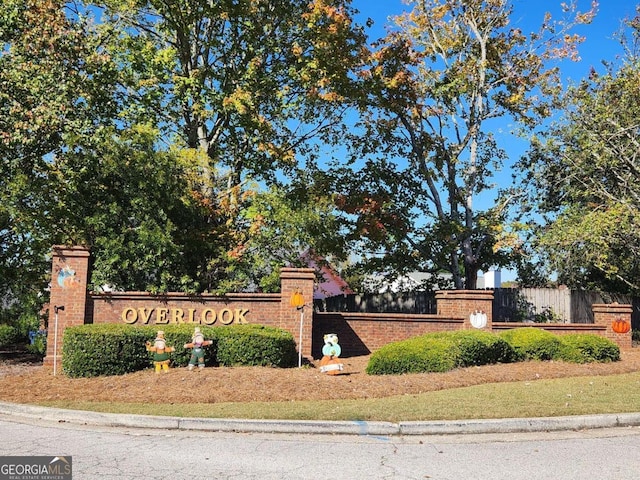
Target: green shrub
[
  {"x": 416, "y": 355},
  {"x": 475, "y": 347},
  {"x": 587, "y": 348},
  {"x": 38, "y": 343},
  {"x": 440, "y": 352},
  {"x": 255, "y": 345},
  {"x": 27, "y": 322},
  {"x": 444, "y": 351},
  {"x": 532, "y": 343},
  {"x": 116, "y": 349},
  {"x": 8, "y": 335},
  {"x": 106, "y": 349}
]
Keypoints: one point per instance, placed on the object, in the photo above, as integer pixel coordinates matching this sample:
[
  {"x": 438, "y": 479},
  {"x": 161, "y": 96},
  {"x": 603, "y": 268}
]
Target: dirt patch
[{"x": 23, "y": 379}]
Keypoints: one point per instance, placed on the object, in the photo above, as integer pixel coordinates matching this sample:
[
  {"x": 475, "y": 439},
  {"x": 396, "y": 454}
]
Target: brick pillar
[
  {"x": 464, "y": 303},
  {"x": 301, "y": 280},
  {"x": 605, "y": 314},
  {"x": 69, "y": 274}
]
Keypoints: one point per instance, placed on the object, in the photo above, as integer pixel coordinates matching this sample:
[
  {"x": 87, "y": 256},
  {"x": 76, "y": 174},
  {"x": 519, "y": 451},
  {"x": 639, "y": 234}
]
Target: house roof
[{"x": 331, "y": 283}]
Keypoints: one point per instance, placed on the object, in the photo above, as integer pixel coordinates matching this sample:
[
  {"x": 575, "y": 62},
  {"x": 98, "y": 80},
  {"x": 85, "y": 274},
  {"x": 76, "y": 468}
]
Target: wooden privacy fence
[
  {"x": 413, "y": 303},
  {"x": 555, "y": 305}
]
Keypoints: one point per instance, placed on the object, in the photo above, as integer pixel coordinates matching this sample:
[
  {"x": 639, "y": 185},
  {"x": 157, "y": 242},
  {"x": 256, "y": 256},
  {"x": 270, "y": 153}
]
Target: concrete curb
[
  {"x": 507, "y": 425},
  {"x": 520, "y": 425}
]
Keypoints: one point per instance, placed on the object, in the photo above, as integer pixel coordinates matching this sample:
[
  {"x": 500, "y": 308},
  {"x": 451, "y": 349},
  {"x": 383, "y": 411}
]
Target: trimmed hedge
[
  {"x": 116, "y": 349},
  {"x": 439, "y": 352},
  {"x": 255, "y": 345},
  {"x": 587, "y": 348},
  {"x": 94, "y": 350},
  {"x": 444, "y": 351},
  {"x": 412, "y": 356},
  {"x": 533, "y": 343},
  {"x": 475, "y": 347},
  {"x": 8, "y": 335}
]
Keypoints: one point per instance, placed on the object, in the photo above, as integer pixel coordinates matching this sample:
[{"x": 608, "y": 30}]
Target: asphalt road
[{"x": 107, "y": 452}]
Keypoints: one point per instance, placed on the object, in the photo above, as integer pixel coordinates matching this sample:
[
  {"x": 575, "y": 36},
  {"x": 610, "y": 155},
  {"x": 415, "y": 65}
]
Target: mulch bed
[{"x": 23, "y": 379}]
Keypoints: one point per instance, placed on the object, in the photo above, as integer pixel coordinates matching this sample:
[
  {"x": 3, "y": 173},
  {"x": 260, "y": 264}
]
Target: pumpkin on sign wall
[
  {"x": 297, "y": 300},
  {"x": 478, "y": 319},
  {"x": 620, "y": 326}
]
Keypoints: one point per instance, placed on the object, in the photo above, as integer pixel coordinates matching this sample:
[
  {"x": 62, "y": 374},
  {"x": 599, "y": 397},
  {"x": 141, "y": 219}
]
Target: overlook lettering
[{"x": 164, "y": 316}]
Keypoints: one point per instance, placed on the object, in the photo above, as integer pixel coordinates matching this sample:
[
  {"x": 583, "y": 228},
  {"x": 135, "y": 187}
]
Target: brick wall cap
[
  {"x": 462, "y": 294},
  {"x": 66, "y": 251},
  {"x": 297, "y": 274},
  {"x": 611, "y": 308},
  {"x": 184, "y": 296},
  {"x": 399, "y": 317}
]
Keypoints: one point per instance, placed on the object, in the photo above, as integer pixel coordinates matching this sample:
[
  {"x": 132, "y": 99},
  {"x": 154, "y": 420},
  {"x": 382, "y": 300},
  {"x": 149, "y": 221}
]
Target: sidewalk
[{"x": 19, "y": 412}]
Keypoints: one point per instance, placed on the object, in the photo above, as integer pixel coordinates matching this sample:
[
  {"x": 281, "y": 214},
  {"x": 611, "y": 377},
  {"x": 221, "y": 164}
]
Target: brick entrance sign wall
[
  {"x": 358, "y": 333},
  {"x": 70, "y": 272}
]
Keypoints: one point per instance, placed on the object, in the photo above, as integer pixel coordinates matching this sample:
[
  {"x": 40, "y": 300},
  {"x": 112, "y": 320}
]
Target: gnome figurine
[
  {"x": 197, "y": 344},
  {"x": 161, "y": 351}
]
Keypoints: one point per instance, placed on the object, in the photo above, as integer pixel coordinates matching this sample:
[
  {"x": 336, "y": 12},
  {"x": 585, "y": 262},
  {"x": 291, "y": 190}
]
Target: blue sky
[
  {"x": 599, "y": 45},
  {"x": 528, "y": 14}
]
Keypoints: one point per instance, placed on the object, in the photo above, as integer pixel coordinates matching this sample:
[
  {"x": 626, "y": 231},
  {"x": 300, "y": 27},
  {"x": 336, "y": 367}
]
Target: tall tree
[
  {"x": 293, "y": 226},
  {"x": 247, "y": 83},
  {"x": 584, "y": 179},
  {"x": 49, "y": 70},
  {"x": 434, "y": 87},
  {"x": 247, "y": 90},
  {"x": 71, "y": 172},
  {"x": 143, "y": 129}
]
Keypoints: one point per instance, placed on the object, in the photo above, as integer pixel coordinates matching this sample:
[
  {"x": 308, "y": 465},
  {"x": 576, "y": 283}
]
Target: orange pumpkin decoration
[
  {"x": 297, "y": 300},
  {"x": 620, "y": 326}
]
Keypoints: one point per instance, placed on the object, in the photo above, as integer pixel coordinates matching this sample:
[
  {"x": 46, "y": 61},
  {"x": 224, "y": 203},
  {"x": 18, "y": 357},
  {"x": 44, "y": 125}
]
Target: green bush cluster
[
  {"x": 584, "y": 348},
  {"x": 477, "y": 347},
  {"x": 39, "y": 343},
  {"x": 416, "y": 355},
  {"x": 8, "y": 335},
  {"x": 116, "y": 349},
  {"x": 440, "y": 352},
  {"x": 94, "y": 350},
  {"x": 255, "y": 345},
  {"x": 18, "y": 330},
  {"x": 444, "y": 351},
  {"x": 532, "y": 343}
]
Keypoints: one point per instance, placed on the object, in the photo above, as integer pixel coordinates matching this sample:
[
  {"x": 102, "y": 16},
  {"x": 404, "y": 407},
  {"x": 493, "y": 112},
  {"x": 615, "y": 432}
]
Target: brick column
[
  {"x": 463, "y": 303},
  {"x": 69, "y": 274},
  {"x": 301, "y": 280},
  {"x": 605, "y": 314}
]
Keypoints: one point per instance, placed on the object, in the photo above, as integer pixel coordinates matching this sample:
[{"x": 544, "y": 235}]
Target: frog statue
[{"x": 330, "y": 352}]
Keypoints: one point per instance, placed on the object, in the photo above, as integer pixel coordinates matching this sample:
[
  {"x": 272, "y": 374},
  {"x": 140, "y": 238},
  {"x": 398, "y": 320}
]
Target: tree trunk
[{"x": 471, "y": 277}]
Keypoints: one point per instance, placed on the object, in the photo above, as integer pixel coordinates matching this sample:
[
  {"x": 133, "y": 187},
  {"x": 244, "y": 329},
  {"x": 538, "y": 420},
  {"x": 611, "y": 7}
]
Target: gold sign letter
[
  {"x": 208, "y": 316},
  {"x": 125, "y": 315},
  {"x": 240, "y": 313}
]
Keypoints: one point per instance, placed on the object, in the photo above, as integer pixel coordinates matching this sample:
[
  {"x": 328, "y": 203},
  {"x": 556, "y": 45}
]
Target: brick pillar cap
[
  {"x": 487, "y": 294},
  {"x": 611, "y": 307},
  {"x": 289, "y": 272},
  {"x": 69, "y": 251}
]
